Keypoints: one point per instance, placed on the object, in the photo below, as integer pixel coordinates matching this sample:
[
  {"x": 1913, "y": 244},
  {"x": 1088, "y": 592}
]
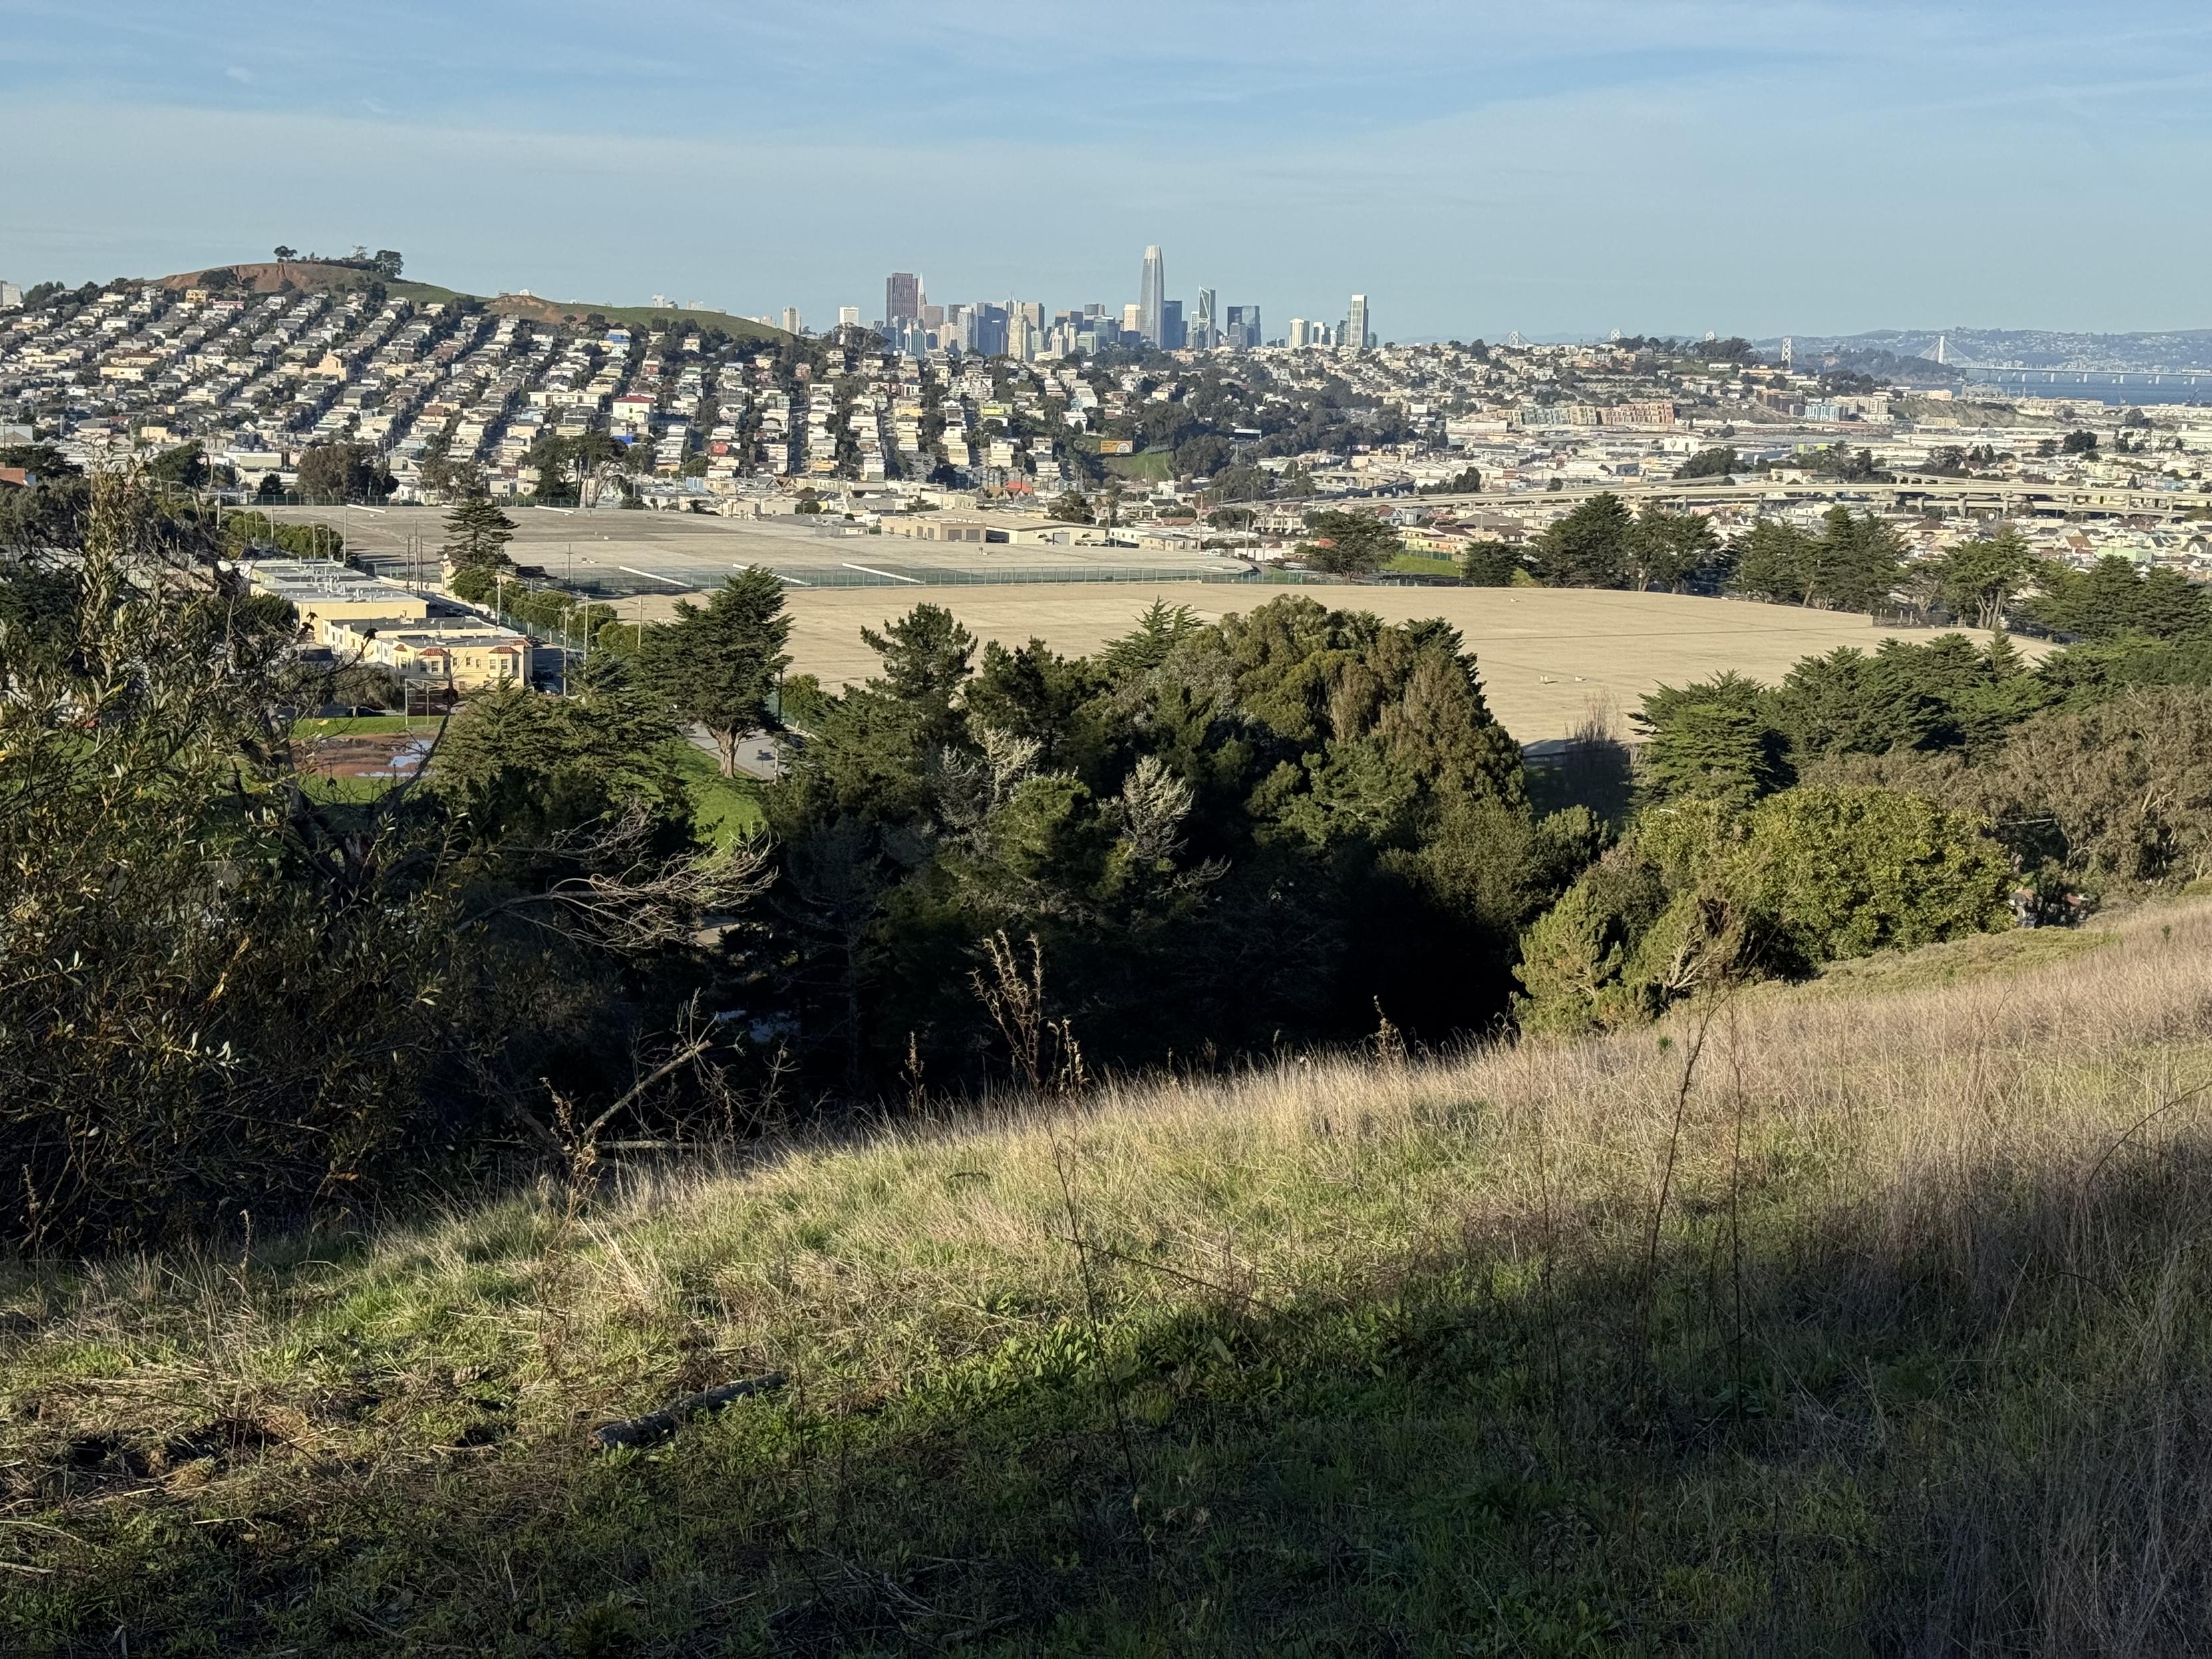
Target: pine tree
[
  {"x": 1724, "y": 751},
  {"x": 477, "y": 535},
  {"x": 1588, "y": 548},
  {"x": 1490, "y": 564},
  {"x": 925, "y": 655},
  {"x": 1665, "y": 549},
  {"x": 1774, "y": 562},
  {"x": 1856, "y": 561},
  {"x": 718, "y": 664},
  {"x": 1977, "y": 579}
]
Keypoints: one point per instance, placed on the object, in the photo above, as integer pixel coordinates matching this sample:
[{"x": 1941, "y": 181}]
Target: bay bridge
[{"x": 2159, "y": 385}]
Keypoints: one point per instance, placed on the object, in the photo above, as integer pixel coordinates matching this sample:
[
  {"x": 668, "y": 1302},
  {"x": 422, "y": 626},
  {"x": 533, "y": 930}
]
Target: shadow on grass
[{"x": 1986, "y": 1430}]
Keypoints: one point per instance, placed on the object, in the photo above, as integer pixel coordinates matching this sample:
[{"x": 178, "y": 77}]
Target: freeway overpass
[{"x": 2008, "y": 499}]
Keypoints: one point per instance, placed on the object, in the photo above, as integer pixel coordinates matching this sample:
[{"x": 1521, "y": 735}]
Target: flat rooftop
[{"x": 305, "y": 580}]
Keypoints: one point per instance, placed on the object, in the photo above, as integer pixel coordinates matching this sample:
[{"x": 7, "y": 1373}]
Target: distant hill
[
  {"x": 2030, "y": 348},
  {"x": 287, "y": 276},
  {"x": 542, "y": 310}
]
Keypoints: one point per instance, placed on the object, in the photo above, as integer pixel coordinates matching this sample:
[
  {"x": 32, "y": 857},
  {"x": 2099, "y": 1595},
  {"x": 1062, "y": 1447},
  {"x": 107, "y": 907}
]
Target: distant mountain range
[{"x": 2026, "y": 348}]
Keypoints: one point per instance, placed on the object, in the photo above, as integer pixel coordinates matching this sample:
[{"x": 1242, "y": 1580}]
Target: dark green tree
[
  {"x": 926, "y": 655},
  {"x": 342, "y": 472},
  {"x": 1857, "y": 561},
  {"x": 719, "y": 663},
  {"x": 1774, "y": 561},
  {"x": 185, "y": 465},
  {"x": 1665, "y": 549},
  {"x": 1977, "y": 579},
  {"x": 1490, "y": 564},
  {"x": 1590, "y": 547},
  {"x": 40, "y": 461},
  {"x": 2112, "y": 597},
  {"x": 1722, "y": 750},
  {"x": 1348, "y": 543},
  {"x": 1717, "y": 463},
  {"x": 1160, "y": 628},
  {"x": 477, "y": 535}
]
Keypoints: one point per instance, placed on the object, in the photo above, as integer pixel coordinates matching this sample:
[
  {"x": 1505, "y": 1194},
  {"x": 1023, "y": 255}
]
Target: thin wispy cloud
[{"x": 1763, "y": 165}]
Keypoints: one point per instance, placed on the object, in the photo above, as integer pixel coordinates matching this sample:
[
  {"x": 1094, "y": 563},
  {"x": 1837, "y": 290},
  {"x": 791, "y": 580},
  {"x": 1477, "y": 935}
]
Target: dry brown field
[{"x": 1546, "y": 654}]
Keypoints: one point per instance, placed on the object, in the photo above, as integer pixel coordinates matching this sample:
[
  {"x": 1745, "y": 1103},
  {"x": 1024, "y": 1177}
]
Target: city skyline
[
  {"x": 1481, "y": 171},
  {"x": 912, "y": 323}
]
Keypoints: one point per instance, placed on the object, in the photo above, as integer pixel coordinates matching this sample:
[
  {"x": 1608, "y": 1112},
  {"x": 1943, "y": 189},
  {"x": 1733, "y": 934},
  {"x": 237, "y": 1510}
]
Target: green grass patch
[
  {"x": 1978, "y": 956},
  {"x": 1423, "y": 564},
  {"x": 1153, "y": 466},
  {"x": 725, "y": 810}
]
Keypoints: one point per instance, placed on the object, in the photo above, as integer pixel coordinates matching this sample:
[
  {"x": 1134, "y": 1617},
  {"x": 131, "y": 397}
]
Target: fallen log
[{"x": 655, "y": 1426}]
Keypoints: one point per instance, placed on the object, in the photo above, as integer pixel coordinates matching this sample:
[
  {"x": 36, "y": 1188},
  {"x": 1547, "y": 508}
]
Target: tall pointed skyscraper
[{"x": 1152, "y": 297}]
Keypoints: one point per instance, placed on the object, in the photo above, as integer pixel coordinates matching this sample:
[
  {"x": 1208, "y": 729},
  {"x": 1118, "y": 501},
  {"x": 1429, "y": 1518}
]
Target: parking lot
[{"x": 615, "y": 554}]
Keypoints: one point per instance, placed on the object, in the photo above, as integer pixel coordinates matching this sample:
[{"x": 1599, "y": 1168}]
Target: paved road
[{"x": 757, "y": 756}]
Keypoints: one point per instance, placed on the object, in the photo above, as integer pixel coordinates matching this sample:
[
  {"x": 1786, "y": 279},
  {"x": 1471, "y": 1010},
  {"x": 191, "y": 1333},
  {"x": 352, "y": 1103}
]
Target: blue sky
[{"x": 1554, "y": 165}]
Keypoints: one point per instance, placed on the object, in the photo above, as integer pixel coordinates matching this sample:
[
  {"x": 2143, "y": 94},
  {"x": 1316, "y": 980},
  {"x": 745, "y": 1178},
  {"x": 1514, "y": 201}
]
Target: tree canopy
[
  {"x": 1306, "y": 789},
  {"x": 719, "y": 663},
  {"x": 1853, "y": 564},
  {"x": 343, "y": 472},
  {"x": 1348, "y": 543},
  {"x": 477, "y": 535}
]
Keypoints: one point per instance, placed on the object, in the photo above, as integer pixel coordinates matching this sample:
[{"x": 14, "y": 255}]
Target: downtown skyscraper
[
  {"x": 1152, "y": 297},
  {"x": 902, "y": 298}
]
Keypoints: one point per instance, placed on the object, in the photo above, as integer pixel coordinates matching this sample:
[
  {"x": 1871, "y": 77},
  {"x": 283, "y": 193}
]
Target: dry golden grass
[
  {"x": 1545, "y": 653},
  {"x": 1847, "y": 1322}
]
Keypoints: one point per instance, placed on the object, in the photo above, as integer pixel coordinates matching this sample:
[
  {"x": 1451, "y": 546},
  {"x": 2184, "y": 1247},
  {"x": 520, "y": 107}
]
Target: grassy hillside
[
  {"x": 553, "y": 311},
  {"x": 1860, "y": 1319},
  {"x": 270, "y": 276},
  {"x": 273, "y": 276}
]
